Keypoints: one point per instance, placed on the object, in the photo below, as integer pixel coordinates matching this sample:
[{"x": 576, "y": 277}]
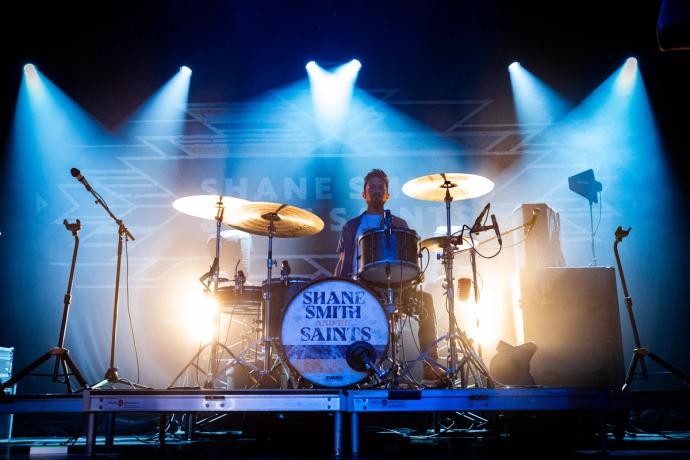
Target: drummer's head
[{"x": 375, "y": 188}]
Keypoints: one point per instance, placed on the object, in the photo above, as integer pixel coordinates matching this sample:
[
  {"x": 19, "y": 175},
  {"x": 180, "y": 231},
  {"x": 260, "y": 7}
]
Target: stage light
[
  {"x": 31, "y": 75},
  {"x": 356, "y": 64},
  {"x": 514, "y": 66},
  {"x": 185, "y": 71},
  {"x": 311, "y": 66},
  {"x": 200, "y": 315},
  {"x": 30, "y": 70},
  {"x": 627, "y": 76}
]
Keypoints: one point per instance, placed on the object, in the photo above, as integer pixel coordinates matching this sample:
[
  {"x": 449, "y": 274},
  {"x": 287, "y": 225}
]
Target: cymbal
[
  {"x": 460, "y": 186},
  {"x": 437, "y": 243},
  {"x": 289, "y": 221},
  {"x": 206, "y": 206}
]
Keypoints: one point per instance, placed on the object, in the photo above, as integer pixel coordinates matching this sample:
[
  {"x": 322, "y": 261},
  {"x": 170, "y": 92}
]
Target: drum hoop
[
  {"x": 394, "y": 263},
  {"x": 237, "y": 288},
  {"x": 371, "y": 231},
  {"x": 276, "y": 281},
  {"x": 331, "y": 278}
]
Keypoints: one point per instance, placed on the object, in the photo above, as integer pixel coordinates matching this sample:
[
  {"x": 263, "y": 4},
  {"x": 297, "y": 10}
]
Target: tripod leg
[
  {"x": 631, "y": 370},
  {"x": 674, "y": 370},
  {"x": 26, "y": 371},
  {"x": 75, "y": 370},
  {"x": 65, "y": 370}
]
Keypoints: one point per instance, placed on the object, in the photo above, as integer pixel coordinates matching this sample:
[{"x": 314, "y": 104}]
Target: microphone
[
  {"x": 360, "y": 356},
  {"x": 285, "y": 271},
  {"x": 387, "y": 221},
  {"x": 240, "y": 279},
  {"x": 494, "y": 224},
  {"x": 477, "y": 227},
  {"x": 77, "y": 175}
]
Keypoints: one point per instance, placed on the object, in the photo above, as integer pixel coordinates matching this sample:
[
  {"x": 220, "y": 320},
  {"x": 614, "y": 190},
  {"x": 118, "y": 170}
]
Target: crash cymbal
[
  {"x": 206, "y": 206},
  {"x": 437, "y": 243},
  {"x": 460, "y": 186},
  {"x": 289, "y": 221}
]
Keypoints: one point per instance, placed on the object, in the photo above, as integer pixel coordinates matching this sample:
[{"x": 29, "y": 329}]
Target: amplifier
[{"x": 572, "y": 315}]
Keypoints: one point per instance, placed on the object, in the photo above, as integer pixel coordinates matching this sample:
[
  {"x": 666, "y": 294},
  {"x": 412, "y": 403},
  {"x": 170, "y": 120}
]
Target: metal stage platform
[{"x": 341, "y": 403}]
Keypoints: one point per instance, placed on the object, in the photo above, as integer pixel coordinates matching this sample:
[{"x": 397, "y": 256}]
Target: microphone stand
[
  {"x": 111, "y": 376},
  {"x": 62, "y": 357},
  {"x": 639, "y": 353}
]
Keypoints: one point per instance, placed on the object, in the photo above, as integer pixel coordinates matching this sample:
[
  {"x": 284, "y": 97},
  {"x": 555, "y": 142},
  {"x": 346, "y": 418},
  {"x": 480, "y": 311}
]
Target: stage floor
[{"x": 349, "y": 422}]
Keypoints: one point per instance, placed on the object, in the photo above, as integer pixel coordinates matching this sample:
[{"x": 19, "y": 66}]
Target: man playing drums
[{"x": 376, "y": 194}]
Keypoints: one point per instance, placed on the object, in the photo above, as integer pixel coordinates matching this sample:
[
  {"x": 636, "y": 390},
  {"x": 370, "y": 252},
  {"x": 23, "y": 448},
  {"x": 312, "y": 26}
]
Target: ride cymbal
[
  {"x": 460, "y": 186},
  {"x": 288, "y": 221},
  {"x": 207, "y": 206}
]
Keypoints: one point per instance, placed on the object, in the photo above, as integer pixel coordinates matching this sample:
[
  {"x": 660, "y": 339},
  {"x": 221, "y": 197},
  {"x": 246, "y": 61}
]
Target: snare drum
[
  {"x": 395, "y": 253},
  {"x": 282, "y": 292},
  {"x": 321, "y": 323}
]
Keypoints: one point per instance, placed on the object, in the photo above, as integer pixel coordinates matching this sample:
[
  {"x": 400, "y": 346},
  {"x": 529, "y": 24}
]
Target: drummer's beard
[{"x": 376, "y": 201}]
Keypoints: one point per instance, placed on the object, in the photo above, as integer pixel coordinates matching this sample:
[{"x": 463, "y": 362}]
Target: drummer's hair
[{"x": 376, "y": 173}]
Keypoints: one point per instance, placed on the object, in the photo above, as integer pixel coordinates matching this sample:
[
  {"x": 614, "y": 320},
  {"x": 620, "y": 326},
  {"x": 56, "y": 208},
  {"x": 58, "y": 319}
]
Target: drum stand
[
  {"x": 471, "y": 362},
  {"x": 63, "y": 362},
  {"x": 215, "y": 356},
  {"x": 270, "y": 342}
]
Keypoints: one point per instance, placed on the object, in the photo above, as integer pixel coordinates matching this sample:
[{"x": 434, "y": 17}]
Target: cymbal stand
[
  {"x": 62, "y": 358},
  {"x": 447, "y": 260},
  {"x": 213, "y": 369},
  {"x": 394, "y": 371},
  {"x": 639, "y": 353},
  {"x": 269, "y": 341},
  {"x": 471, "y": 362}
]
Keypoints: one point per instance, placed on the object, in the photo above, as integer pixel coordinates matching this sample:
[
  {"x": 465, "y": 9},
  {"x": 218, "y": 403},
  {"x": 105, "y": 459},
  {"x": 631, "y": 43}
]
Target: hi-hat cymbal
[
  {"x": 438, "y": 243},
  {"x": 289, "y": 221},
  {"x": 460, "y": 186},
  {"x": 207, "y": 206}
]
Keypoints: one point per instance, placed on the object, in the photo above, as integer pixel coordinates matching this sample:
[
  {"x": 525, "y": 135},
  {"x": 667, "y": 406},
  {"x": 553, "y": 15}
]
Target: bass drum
[{"x": 322, "y": 322}]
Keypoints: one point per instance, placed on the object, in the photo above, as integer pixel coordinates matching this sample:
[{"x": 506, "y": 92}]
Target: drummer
[{"x": 376, "y": 194}]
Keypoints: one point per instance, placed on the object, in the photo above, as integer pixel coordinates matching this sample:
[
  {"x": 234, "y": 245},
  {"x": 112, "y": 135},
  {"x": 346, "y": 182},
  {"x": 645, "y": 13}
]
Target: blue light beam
[
  {"x": 332, "y": 93},
  {"x": 535, "y": 102}
]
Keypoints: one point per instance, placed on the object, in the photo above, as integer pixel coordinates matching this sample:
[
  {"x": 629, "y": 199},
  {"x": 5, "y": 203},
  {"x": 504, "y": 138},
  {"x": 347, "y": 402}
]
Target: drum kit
[{"x": 336, "y": 332}]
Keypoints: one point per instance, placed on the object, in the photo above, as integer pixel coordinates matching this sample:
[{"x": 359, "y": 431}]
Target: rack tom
[{"x": 383, "y": 253}]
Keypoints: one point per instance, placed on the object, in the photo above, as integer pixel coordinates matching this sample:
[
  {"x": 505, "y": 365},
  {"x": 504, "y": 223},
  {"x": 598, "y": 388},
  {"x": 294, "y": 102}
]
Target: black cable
[
  {"x": 129, "y": 311},
  {"x": 596, "y": 229}
]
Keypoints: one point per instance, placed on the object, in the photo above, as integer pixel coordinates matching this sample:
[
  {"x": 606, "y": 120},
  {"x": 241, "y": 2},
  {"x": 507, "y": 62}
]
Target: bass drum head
[{"x": 320, "y": 324}]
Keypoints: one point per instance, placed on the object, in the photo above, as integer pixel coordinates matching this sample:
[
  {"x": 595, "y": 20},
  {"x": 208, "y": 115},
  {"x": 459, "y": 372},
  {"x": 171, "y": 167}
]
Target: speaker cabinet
[
  {"x": 540, "y": 245},
  {"x": 572, "y": 316}
]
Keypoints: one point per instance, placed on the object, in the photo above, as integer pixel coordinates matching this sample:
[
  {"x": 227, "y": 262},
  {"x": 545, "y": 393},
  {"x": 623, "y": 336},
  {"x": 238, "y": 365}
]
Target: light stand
[
  {"x": 585, "y": 185},
  {"x": 62, "y": 358},
  {"x": 639, "y": 353}
]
